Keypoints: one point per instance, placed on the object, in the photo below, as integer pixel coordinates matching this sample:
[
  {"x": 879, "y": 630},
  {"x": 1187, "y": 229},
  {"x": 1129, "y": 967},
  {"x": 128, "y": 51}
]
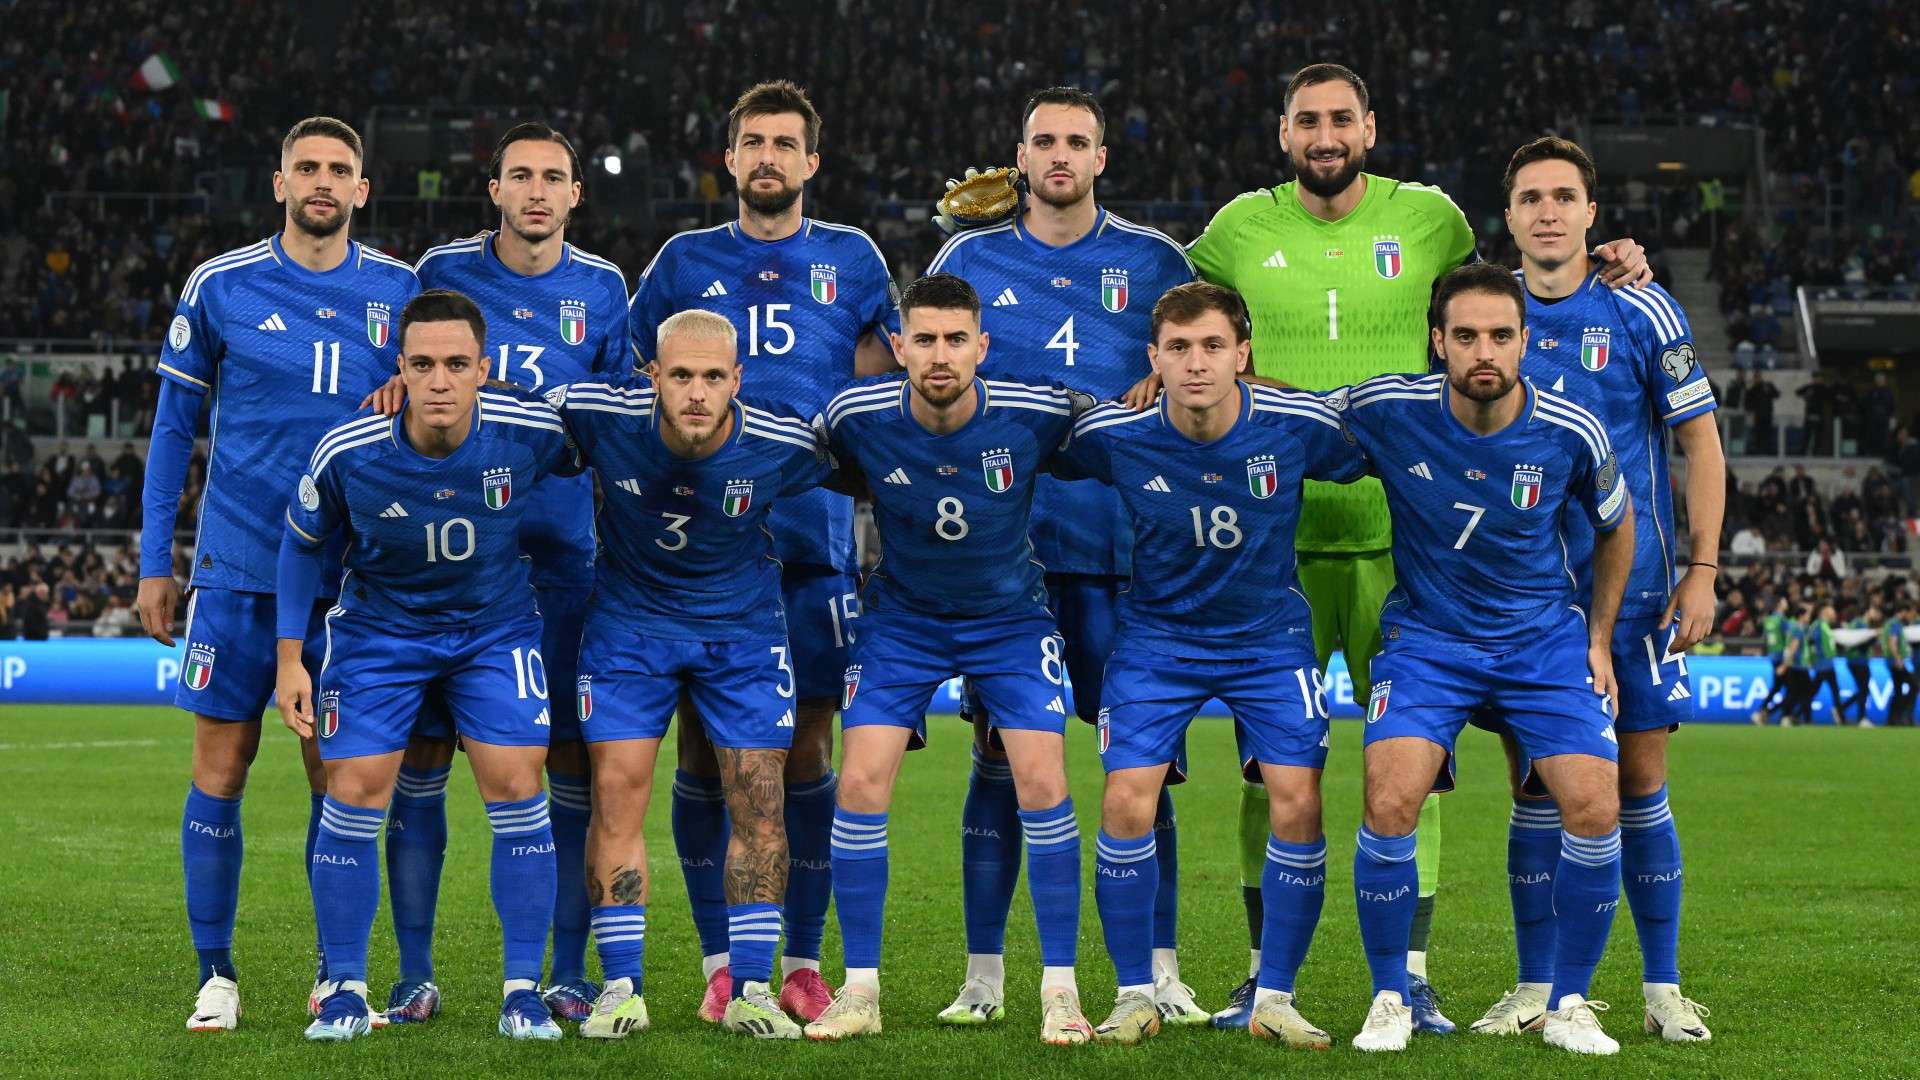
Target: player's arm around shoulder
[
  {"x": 796, "y": 448},
  {"x": 1088, "y": 451},
  {"x": 1328, "y": 451}
]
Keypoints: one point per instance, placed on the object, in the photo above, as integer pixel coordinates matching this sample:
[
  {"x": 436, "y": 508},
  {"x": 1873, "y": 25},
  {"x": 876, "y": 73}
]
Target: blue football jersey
[
  {"x": 562, "y": 326},
  {"x": 1626, "y": 356},
  {"x": 1080, "y": 315},
  {"x": 1480, "y": 521},
  {"x": 433, "y": 542},
  {"x": 800, "y": 306},
  {"x": 952, "y": 510},
  {"x": 1213, "y": 561},
  {"x": 285, "y": 352},
  {"x": 688, "y": 553}
]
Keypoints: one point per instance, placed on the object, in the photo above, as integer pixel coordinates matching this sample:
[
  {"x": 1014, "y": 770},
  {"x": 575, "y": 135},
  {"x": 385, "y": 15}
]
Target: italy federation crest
[
  {"x": 329, "y": 714},
  {"x": 1104, "y": 725},
  {"x": 1262, "y": 476},
  {"x": 1386, "y": 256},
  {"x": 850, "y": 685},
  {"x": 737, "y": 497},
  {"x": 1526, "y": 486},
  {"x": 1113, "y": 289},
  {"x": 825, "y": 282},
  {"x": 1377, "y": 704},
  {"x": 379, "y": 324},
  {"x": 583, "y": 697},
  {"x": 573, "y": 321},
  {"x": 1595, "y": 343},
  {"x": 497, "y": 486},
  {"x": 199, "y": 670},
  {"x": 997, "y": 465}
]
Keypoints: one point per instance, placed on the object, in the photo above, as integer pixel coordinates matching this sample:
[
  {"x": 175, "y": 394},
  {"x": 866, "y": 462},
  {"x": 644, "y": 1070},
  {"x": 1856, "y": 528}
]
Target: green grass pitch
[{"x": 1801, "y": 925}]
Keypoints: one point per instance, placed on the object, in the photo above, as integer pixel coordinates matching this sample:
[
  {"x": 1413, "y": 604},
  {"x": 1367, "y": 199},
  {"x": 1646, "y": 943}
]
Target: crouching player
[
  {"x": 436, "y": 597},
  {"x": 1483, "y": 473},
  {"x": 1215, "y": 611},
  {"x": 687, "y": 600}
]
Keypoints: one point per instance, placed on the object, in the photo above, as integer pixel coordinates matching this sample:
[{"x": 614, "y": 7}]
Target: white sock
[
  {"x": 711, "y": 964},
  {"x": 618, "y": 984},
  {"x": 354, "y": 986},
  {"x": 1253, "y": 965},
  {"x": 864, "y": 978},
  {"x": 791, "y": 964},
  {"x": 507, "y": 988},
  {"x": 1061, "y": 978},
  {"x": 750, "y": 987},
  {"x": 1417, "y": 964},
  {"x": 1143, "y": 989},
  {"x": 1166, "y": 965},
  {"x": 1654, "y": 990},
  {"x": 1261, "y": 994},
  {"x": 1538, "y": 990},
  {"x": 991, "y": 967}
]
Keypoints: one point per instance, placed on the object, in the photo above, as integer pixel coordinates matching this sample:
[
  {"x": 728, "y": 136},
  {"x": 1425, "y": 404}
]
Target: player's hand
[
  {"x": 1600, "y": 662},
  {"x": 293, "y": 692},
  {"x": 157, "y": 600},
  {"x": 1626, "y": 264},
  {"x": 1142, "y": 393},
  {"x": 1692, "y": 607},
  {"x": 389, "y": 399}
]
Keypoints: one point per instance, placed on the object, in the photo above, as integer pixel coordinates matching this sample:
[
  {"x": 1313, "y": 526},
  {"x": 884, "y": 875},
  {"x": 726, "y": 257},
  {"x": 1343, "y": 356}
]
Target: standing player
[
  {"x": 950, "y": 460},
  {"x": 812, "y": 303},
  {"x": 436, "y": 596},
  {"x": 557, "y": 315},
  {"x": 688, "y": 602},
  {"x": 1214, "y": 611},
  {"x": 285, "y": 334},
  {"x": 1482, "y": 471},
  {"x": 1073, "y": 289},
  {"x": 1627, "y": 357},
  {"x": 1337, "y": 267}
]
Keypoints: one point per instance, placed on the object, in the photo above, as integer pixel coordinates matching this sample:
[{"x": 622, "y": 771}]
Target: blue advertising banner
[{"x": 129, "y": 671}]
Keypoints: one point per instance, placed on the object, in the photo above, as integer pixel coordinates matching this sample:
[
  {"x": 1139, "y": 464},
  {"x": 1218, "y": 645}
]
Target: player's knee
[
  {"x": 569, "y": 758},
  {"x": 1126, "y": 810},
  {"x": 695, "y": 753},
  {"x": 1044, "y": 789},
  {"x": 811, "y": 755},
  {"x": 428, "y": 754},
  {"x": 864, "y": 789},
  {"x": 1293, "y": 812},
  {"x": 1643, "y": 763},
  {"x": 1590, "y": 811}
]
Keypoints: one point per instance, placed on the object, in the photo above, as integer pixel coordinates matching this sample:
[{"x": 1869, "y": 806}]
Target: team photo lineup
[{"x": 501, "y": 509}]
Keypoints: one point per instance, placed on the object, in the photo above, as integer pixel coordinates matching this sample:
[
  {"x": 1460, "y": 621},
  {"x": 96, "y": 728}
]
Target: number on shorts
[
  {"x": 1314, "y": 693},
  {"x": 1657, "y": 656},
  {"x": 530, "y": 673},
  {"x": 843, "y": 609},
  {"x": 1052, "y": 664},
  {"x": 786, "y": 669}
]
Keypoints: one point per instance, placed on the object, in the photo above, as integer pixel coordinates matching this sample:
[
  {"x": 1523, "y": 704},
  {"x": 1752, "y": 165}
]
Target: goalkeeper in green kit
[{"x": 1337, "y": 268}]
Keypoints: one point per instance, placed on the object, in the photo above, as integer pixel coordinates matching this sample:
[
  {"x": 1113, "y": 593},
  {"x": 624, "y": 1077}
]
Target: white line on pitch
[{"x": 97, "y": 744}]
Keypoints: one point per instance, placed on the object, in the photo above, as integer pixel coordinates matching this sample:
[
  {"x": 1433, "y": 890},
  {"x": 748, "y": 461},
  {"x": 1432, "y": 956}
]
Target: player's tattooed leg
[{"x": 755, "y": 788}]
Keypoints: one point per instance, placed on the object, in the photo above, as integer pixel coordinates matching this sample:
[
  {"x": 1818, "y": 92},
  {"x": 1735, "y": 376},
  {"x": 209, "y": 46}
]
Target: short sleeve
[
  {"x": 801, "y": 469},
  {"x": 1212, "y": 251},
  {"x": 1598, "y": 484},
  {"x": 319, "y": 506},
  {"x": 616, "y": 348},
  {"x": 1354, "y": 429},
  {"x": 193, "y": 346},
  {"x": 652, "y": 303},
  {"x": 1085, "y": 455},
  {"x": 882, "y": 314},
  {"x": 1675, "y": 378},
  {"x": 1331, "y": 451}
]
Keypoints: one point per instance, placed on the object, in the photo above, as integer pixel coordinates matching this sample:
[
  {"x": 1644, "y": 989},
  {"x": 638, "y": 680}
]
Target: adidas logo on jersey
[
  {"x": 1158, "y": 483},
  {"x": 898, "y": 476},
  {"x": 629, "y": 485},
  {"x": 1420, "y": 470},
  {"x": 1680, "y": 692},
  {"x": 1275, "y": 261},
  {"x": 713, "y": 290},
  {"x": 394, "y": 511},
  {"x": 273, "y": 323},
  {"x": 1005, "y": 299}
]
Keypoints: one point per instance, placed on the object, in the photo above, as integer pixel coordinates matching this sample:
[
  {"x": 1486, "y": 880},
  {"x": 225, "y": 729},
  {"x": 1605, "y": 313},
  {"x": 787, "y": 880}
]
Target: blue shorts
[
  {"x": 563, "y": 614},
  {"x": 1016, "y": 663},
  {"x": 1655, "y": 690},
  {"x": 630, "y": 684},
  {"x": 1279, "y": 708},
  {"x": 375, "y": 680},
  {"x": 821, "y": 606},
  {"x": 1541, "y": 692},
  {"x": 232, "y": 653}
]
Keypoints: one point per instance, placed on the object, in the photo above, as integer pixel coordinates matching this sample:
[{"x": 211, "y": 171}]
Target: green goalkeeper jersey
[{"x": 1333, "y": 303}]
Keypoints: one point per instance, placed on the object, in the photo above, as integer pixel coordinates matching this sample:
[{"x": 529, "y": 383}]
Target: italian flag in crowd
[
  {"x": 157, "y": 72},
  {"x": 210, "y": 109}
]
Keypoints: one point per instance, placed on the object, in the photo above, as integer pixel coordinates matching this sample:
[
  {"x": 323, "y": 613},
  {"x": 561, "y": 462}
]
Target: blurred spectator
[{"x": 1827, "y": 562}]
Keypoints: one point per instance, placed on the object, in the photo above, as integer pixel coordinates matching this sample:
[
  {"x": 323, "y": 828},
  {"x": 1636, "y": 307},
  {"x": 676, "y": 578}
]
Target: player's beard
[
  {"x": 1082, "y": 188},
  {"x": 1463, "y": 384},
  {"x": 317, "y": 228},
  {"x": 694, "y": 440},
  {"x": 557, "y": 221},
  {"x": 941, "y": 399},
  {"x": 1333, "y": 185},
  {"x": 771, "y": 204}
]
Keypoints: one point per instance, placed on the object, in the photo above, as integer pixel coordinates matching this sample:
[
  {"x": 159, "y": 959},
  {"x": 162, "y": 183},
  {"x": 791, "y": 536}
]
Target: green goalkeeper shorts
[{"x": 1346, "y": 592}]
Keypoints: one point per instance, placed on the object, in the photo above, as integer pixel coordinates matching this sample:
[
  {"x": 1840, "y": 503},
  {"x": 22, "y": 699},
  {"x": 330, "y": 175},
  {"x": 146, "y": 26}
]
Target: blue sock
[
  {"x": 1586, "y": 892},
  {"x": 1384, "y": 883},
  {"x": 522, "y": 882},
  {"x": 620, "y": 935},
  {"x": 315, "y": 801},
  {"x": 989, "y": 854},
  {"x": 1166, "y": 899},
  {"x": 416, "y": 850},
  {"x": 753, "y": 933},
  {"x": 345, "y": 876},
  {"x": 1053, "y": 880},
  {"x": 1125, "y": 879},
  {"x": 210, "y": 859},
  {"x": 1533, "y": 853},
  {"x": 1650, "y": 866},
  {"x": 809, "y": 817},
  {"x": 571, "y": 802},
  {"x": 860, "y": 883},
  {"x": 700, "y": 835},
  {"x": 1293, "y": 885}
]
